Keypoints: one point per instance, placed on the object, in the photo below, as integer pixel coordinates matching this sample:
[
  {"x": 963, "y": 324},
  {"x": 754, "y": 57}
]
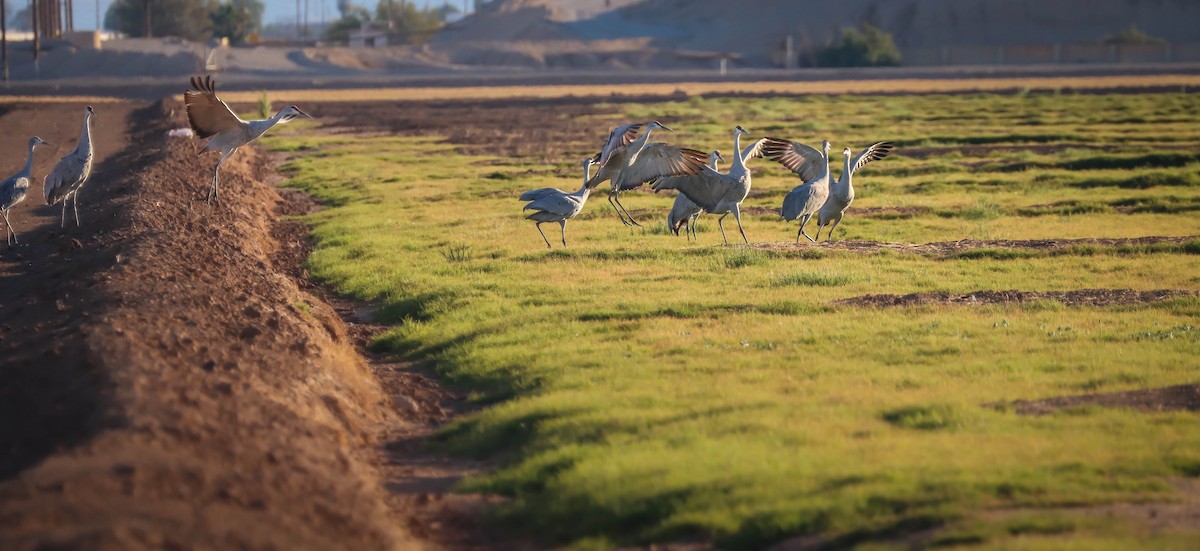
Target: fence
[{"x": 1053, "y": 53}]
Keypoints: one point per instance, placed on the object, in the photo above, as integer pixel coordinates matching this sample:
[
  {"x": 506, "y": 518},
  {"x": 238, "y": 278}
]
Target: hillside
[{"x": 755, "y": 29}]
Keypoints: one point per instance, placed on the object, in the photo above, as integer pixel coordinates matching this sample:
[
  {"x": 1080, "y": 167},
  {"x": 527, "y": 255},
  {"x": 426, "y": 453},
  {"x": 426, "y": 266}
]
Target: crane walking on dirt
[
  {"x": 629, "y": 164},
  {"x": 810, "y": 165},
  {"x": 212, "y": 118},
  {"x": 719, "y": 193},
  {"x": 684, "y": 212},
  {"x": 67, "y": 177},
  {"x": 556, "y": 205},
  {"x": 841, "y": 192},
  {"x": 14, "y": 189}
]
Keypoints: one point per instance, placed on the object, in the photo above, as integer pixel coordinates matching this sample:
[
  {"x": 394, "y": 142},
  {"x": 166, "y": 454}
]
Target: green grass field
[{"x": 636, "y": 388}]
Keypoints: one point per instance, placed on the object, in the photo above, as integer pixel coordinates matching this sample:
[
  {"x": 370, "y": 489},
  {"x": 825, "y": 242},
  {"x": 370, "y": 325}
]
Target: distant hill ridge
[{"x": 753, "y": 28}]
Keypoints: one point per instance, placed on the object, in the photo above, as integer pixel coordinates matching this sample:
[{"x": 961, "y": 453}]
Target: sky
[{"x": 85, "y": 10}]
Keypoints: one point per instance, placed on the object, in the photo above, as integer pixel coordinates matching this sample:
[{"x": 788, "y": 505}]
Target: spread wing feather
[
  {"x": 806, "y": 162},
  {"x": 873, "y": 153},
  {"x": 621, "y": 136},
  {"x": 207, "y": 114},
  {"x": 754, "y": 150},
  {"x": 659, "y": 160}
]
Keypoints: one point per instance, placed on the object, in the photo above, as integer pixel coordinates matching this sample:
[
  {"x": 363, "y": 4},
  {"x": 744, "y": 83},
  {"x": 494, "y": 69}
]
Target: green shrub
[{"x": 871, "y": 47}]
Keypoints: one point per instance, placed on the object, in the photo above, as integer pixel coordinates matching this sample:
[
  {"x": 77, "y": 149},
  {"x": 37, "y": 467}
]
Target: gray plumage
[
  {"x": 718, "y": 193},
  {"x": 556, "y": 205},
  {"x": 14, "y": 189},
  {"x": 684, "y": 212},
  {"x": 628, "y": 164},
  {"x": 212, "y": 118},
  {"x": 66, "y": 179},
  {"x": 812, "y": 167},
  {"x": 841, "y": 193}
]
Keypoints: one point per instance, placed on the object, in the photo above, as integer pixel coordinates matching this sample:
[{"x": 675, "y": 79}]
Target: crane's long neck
[
  {"x": 85, "y": 137},
  {"x": 846, "y": 174},
  {"x": 738, "y": 162},
  {"x": 636, "y": 147},
  {"x": 29, "y": 161}
]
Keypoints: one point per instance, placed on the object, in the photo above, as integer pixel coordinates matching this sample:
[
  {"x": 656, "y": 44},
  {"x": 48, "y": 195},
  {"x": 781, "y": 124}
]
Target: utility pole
[
  {"x": 99, "y": 26},
  {"x": 34, "y": 8},
  {"x": 4, "y": 39},
  {"x": 149, "y": 26},
  {"x": 305, "y": 18},
  {"x": 297, "y": 18}
]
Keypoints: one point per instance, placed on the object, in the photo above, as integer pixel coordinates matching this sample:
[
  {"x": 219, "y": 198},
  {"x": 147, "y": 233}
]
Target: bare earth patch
[
  {"x": 1080, "y": 297},
  {"x": 947, "y": 248},
  {"x": 1171, "y": 398}
]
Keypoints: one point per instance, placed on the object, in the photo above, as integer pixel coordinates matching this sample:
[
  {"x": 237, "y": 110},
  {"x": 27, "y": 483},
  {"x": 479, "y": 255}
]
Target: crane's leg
[
  {"x": 62, "y": 223},
  {"x": 737, "y": 215},
  {"x": 819, "y": 227},
  {"x": 75, "y": 204},
  {"x": 214, "y": 193},
  {"x": 829, "y": 236},
  {"x": 692, "y": 227},
  {"x": 563, "y": 229},
  {"x": 617, "y": 197},
  {"x": 615, "y": 208},
  {"x": 803, "y": 221},
  {"x": 721, "y": 224},
  {"x": 9, "y": 233},
  {"x": 539, "y": 228}
]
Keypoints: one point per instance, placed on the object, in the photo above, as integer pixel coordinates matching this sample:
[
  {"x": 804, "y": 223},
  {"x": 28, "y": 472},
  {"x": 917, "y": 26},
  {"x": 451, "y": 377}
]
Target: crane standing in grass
[
  {"x": 810, "y": 165},
  {"x": 841, "y": 193},
  {"x": 719, "y": 193},
  {"x": 69, "y": 174},
  {"x": 629, "y": 163},
  {"x": 212, "y": 118},
  {"x": 14, "y": 189},
  {"x": 556, "y": 205},
  {"x": 685, "y": 212}
]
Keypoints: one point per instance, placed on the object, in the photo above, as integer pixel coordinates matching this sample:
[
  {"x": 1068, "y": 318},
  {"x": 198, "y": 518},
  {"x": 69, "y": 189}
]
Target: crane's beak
[
  {"x": 667, "y": 128},
  {"x": 303, "y": 113}
]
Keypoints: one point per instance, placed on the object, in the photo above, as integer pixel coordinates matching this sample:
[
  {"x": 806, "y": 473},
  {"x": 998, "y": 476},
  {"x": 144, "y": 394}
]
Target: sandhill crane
[
  {"x": 719, "y": 193},
  {"x": 212, "y": 118},
  {"x": 556, "y": 205},
  {"x": 14, "y": 189},
  {"x": 812, "y": 167},
  {"x": 629, "y": 165},
  {"x": 684, "y": 212},
  {"x": 841, "y": 193},
  {"x": 71, "y": 171}
]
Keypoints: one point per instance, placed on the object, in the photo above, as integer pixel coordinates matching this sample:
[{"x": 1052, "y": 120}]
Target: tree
[
  {"x": 353, "y": 17},
  {"x": 1132, "y": 35},
  {"x": 183, "y": 18},
  {"x": 237, "y": 19},
  {"x": 410, "y": 24},
  {"x": 872, "y": 47}
]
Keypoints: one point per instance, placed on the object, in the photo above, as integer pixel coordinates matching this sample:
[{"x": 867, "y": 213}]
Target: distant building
[{"x": 368, "y": 38}]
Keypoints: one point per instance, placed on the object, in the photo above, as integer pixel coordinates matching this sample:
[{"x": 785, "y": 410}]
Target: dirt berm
[{"x": 168, "y": 386}]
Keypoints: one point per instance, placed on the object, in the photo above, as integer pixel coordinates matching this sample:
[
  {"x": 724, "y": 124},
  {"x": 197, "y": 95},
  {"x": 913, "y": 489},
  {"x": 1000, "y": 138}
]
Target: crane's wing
[
  {"x": 621, "y": 136},
  {"x": 206, "y": 112},
  {"x": 558, "y": 204},
  {"x": 67, "y": 172},
  {"x": 873, "y": 153},
  {"x": 534, "y": 194},
  {"x": 13, "y": 190},
  {"x": 705, "y": 189},
  {"x": 806, "y": 162},
  {"x": 754, "y": 150},
  {"x": 658, "y": 160},
  {"x": 802, "y": 199}
]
